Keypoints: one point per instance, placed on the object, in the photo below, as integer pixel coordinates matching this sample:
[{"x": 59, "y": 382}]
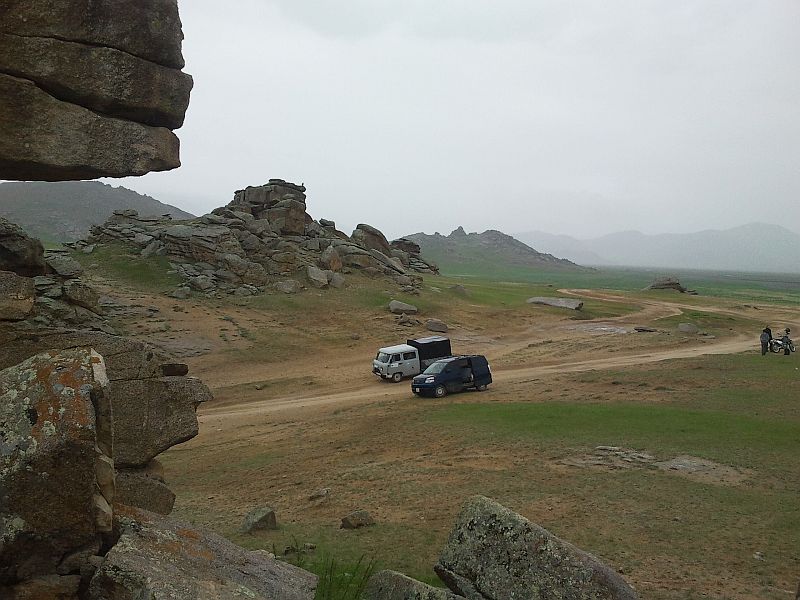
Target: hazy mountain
[
  {"x": 484, "y": 251},
  {"x": 753, "y": 247},
  {"x": 562, "y": 245},
  {"x": 64, "y": 211}
]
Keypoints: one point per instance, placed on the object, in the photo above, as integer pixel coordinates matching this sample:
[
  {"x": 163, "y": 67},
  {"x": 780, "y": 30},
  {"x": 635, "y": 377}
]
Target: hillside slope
[
  {"x": 462, "y": 252},
  {"x": 64, "y": 211},
  {"x": 752, "y": 247}
]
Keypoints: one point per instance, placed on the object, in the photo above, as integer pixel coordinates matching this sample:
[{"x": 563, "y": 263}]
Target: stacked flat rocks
[
  {"x": 68, "y": 530},
  {"x": 90, "y": 88},
  {"x": 261, "y": 240}
]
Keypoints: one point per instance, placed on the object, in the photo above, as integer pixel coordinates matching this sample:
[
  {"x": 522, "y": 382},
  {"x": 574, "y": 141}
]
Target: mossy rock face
[
  {"x": 389, "y": 585},
  {"x": 493, "y": 552}
]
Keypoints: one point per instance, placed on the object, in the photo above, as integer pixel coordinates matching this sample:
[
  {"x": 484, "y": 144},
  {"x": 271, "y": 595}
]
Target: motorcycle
[{"x": 778, "y": 346}]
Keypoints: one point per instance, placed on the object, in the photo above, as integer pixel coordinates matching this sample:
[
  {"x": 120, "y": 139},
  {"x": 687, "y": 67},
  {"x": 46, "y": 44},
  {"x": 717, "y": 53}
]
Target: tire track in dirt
[{"x": 650, "y": 310}]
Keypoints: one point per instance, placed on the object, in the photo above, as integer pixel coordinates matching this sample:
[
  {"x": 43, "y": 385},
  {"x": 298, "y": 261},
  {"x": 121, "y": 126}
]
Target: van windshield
[
  {"x": 436, "y": 367},
  {"x": 382, "y": 357}
]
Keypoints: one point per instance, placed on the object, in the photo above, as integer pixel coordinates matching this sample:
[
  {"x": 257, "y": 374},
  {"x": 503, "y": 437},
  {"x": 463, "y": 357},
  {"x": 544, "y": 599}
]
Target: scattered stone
[
  {"x": 330, "y": 259},
  {"x": 396, "y": 307},
  {"x": 494, "y": 553},
  {"x": 17, "y": 296},
  {"x": 321, "y": 494},
  {"x": 390, "y": 585},
  {"x": 688, "y": 328},
  {"x": 288, "y": 286},
  {"x": 83, "y": 295},
  {"x": 64, "y": 266},
  {"x": 337, "y": 281},
  {"x": 569, "y": 303},
  {"x": 357, "y": 519},
  {"x": 459, "y": 290},
  {"x": 259, "y": 519},
  {"x": 182, "y": 293},
  {"x": 201, "y": 283},
  {"x": 371, "y": 238},
  {"x": 317, "y": 277},
  {"x": 436, "y": 325}
]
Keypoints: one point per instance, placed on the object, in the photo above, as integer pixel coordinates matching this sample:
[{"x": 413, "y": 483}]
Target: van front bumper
[{"x": 424, "y": 389}]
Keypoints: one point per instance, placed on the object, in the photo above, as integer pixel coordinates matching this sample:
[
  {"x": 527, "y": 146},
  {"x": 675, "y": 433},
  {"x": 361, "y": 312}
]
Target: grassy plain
[{"x": 297, "y": 410}]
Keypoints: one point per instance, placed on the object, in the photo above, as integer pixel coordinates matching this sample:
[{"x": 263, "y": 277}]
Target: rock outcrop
[
  {"x": 569, "y": 303},
  {"x": 160, "y": 558},
  {"x": 495, "y": 553},
  {"x": 153, "y": 408},
  {"x": 263, "y": 237},
  {"x": 669, "y": 283},
  {"x": 20, "y": 253},
  {"x": 90, "y": 88},
  {"x": 56, "y": 470}
]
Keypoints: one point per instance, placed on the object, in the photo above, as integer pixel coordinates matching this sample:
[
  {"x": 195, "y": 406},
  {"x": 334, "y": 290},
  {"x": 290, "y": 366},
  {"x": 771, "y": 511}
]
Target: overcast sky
[{"x": 582, "y": 117}]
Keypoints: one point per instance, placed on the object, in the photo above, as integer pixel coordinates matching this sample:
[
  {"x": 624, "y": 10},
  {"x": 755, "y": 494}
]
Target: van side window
[
  {"x": 409, "y": 355},
  {"x": 395, "y": 357}
]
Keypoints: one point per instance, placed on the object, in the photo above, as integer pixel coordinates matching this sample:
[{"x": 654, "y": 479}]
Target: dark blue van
[{"x": 453, "y": 374}]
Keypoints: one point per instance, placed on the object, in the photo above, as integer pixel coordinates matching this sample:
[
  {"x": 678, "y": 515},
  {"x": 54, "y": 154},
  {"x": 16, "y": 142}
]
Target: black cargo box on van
[{"x": 435, "y": 346}]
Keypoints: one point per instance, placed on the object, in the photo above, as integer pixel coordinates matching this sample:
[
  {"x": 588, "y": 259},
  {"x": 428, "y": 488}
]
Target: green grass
[
  {"x": 514, "y": 294},
  {"x": 765, "y": 288},
  {"x": 123, "y": 264},
  {"x": 738, "y": 439},
  {"x": 710, "y": 322}
]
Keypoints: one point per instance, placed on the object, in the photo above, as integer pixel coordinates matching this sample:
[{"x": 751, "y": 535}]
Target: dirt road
[{"x": 365, "y": 389}]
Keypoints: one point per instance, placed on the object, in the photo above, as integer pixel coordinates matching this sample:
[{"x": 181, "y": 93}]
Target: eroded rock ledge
[{"x": 90, "y": 88}]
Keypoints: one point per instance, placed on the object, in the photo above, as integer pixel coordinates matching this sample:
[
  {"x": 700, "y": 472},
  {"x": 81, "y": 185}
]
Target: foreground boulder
[
  {"x": 90, "y": 88},
  {"x": 161, "y": 559},
  {"x": 569, "y": 303},
  {"x": 56, "y": 474},
  {"x": 390, "y": 585},
  {"x": 494, "y": 553},
  {"x": 396, "y": 307}
]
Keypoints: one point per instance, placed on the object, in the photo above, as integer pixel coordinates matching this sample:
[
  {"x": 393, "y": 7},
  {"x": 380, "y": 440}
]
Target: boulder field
[{"x": 264, "y": 239}]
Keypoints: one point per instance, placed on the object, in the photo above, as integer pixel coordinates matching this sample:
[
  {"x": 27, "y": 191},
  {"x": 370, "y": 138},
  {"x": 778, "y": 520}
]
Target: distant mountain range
[
  {"x": 753, "y": 247},
  {"x": 65, "y": 211},
  {"x": 484, "y": 252}
]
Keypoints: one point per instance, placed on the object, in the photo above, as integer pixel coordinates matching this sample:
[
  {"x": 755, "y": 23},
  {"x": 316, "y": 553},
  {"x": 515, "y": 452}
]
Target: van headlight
[{"x": 430, "y": 379}]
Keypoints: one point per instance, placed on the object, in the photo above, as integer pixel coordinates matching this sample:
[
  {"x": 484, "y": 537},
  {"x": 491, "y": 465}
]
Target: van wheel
[
  {"x": 397, "y": 377},
  {"x": 481, "y": 388},
  {"x": 440, "y": 391}
]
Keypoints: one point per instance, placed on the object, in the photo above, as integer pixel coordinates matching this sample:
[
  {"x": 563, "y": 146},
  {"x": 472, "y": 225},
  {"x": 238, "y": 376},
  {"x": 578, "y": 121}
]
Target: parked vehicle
[
  {"x": 453, "y": 374},
  {"x": 778, "y": 346},
  {"x": 411, "y": 358}
]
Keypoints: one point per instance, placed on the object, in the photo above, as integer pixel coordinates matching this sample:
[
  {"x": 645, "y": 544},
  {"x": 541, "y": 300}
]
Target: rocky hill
[
  {"x": 486, "y": 250},
  {"x": 753, "y": 247},
  {"x": 66, "y": 211},
  {"x": 262, "y": 239}
]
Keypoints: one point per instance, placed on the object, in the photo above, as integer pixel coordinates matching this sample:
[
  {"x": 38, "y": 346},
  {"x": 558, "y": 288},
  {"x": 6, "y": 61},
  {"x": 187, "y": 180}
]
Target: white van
[{"x": 412, "y": 358}]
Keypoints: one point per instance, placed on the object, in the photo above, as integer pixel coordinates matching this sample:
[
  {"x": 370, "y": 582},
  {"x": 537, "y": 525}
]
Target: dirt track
[{"x": 363, "y": 389}]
